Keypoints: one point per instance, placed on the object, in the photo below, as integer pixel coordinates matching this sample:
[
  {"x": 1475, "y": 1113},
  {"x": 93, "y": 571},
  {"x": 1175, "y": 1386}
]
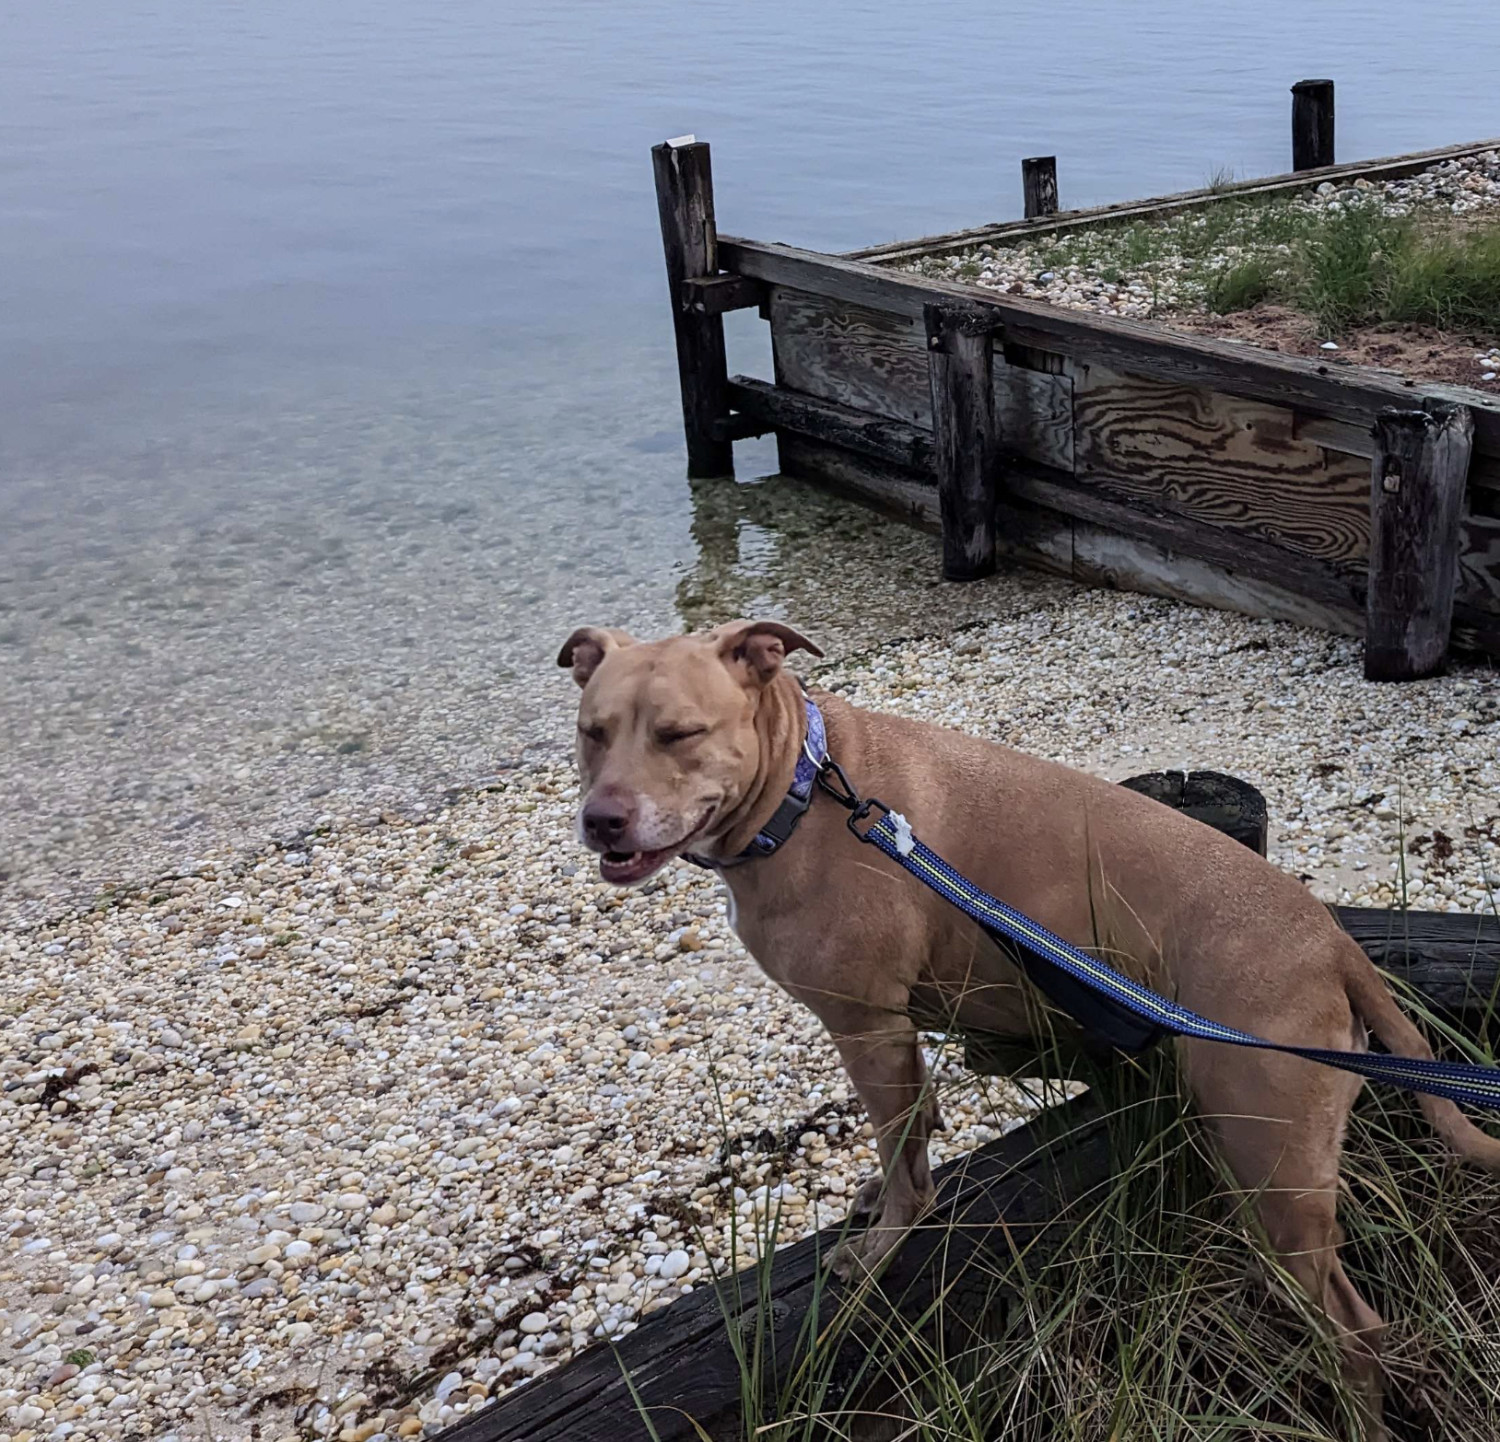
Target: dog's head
[{"x": 667, "y": 739}]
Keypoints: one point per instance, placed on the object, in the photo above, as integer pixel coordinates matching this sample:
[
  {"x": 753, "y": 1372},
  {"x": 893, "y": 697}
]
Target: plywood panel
[
  {"x": 1231, "y": 462},
  {"x": 872, "y": 360}
]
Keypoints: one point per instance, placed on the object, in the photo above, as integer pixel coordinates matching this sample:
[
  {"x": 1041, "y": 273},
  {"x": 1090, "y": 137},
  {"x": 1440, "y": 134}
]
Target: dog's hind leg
[{"x": 1280, "y": 1126}]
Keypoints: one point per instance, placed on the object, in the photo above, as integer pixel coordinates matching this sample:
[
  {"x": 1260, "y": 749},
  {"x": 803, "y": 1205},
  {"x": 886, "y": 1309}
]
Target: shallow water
[{"x": 335, "y": 373}]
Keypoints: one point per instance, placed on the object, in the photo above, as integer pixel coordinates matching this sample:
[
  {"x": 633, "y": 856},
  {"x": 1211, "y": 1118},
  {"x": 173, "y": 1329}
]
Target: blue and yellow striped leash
[{"x": 1132, "y": 1015}]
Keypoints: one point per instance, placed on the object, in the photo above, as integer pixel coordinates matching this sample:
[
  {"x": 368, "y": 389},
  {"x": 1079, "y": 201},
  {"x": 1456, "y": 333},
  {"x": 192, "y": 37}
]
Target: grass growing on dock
[
  {"x": 1347, "y": 265},
  {"x": 1157, "y": 1311}
]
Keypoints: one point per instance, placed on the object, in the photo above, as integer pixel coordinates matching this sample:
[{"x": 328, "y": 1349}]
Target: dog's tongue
[{"x": 623, "y": 867}]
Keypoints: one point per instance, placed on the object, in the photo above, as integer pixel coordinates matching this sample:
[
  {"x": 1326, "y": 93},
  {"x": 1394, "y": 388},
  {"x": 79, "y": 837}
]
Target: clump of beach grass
[
  {"x": 1153, "y": 1308},
  {"x": 1238, "y": 287}
]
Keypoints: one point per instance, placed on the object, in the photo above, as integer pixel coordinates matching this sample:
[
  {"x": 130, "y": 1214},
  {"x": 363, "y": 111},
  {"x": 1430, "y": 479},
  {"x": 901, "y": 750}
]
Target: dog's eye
[
  {"x": 593, "y": 734},
  {"x": 673, "y": 735}
]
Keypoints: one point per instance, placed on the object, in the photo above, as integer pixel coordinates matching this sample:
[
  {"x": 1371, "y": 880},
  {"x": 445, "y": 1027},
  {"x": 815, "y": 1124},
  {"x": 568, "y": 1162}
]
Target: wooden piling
[
  {"x": 1312, "y": 124},
  {"x": 685, "y": 200},
  {"x": 1224, "y": 802},
  {"x": 1417, "y": 484},
  {"x": 1039, "y": 185},
  {"x": 960, "y": 371}
]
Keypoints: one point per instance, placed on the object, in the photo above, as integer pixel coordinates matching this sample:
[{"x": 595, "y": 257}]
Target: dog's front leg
[{"x": 881, "y": 1055}]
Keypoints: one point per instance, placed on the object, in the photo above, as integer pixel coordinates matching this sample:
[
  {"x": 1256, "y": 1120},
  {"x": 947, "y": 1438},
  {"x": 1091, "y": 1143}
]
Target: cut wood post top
[
  {"x": 1039, "y": 185},
  {"x": 1221, "y": 801},
  {"x": 947, "y": 319},
  {"x": 1312, "y": 124},
  {"x": 685, "y": 199}
]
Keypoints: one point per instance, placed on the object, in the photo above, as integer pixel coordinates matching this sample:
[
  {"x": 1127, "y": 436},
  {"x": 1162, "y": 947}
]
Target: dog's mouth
[
  {"x": 621, "y": 868},
  {"x": 625, "y": 868}
]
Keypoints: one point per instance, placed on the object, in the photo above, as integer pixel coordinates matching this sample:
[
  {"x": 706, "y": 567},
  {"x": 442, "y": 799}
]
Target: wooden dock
[{"x": 1113, "y": 451}]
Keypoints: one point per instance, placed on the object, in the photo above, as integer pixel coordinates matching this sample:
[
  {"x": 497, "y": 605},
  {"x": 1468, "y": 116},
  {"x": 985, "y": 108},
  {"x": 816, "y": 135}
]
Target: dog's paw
[{"x": 860, "y": 1256}]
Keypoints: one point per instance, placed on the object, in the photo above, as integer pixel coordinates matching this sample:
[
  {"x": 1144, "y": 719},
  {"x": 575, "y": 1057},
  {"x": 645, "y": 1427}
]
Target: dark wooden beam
[
  {"x": 1417, "y": 487},
  {"x": 720, "y": 294},
  {"x": 1039, "y": 185},
  {"x": 739, "y": 427},
  {"x": 681, "y": 1361},
  {"x": 1312, "y": 124},
  {"x": 1451, "y": 960},
  {"x": 868, "y": 434},
  {"x": 685, "y": 201},
  {"x": 1342, "y": 393},
  {"x": 961, "y": 374}
]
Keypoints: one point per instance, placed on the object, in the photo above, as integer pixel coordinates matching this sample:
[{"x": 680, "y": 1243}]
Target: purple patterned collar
[{"x": 796, "y": 801}]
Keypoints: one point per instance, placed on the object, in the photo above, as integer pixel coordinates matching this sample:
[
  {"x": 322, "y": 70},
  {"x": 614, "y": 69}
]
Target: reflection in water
[{"x": 850, "y": 576}]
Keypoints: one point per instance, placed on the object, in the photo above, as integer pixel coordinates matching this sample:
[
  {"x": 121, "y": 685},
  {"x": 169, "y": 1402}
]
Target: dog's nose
[{"x": 605, "y": 820}]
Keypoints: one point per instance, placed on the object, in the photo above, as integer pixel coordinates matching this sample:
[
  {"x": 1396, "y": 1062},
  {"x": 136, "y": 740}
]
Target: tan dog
[{"x": 691, "y": 744}]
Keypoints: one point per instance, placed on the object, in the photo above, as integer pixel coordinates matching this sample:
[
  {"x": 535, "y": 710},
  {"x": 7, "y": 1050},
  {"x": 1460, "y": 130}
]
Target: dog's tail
[{"x": 1376, "y": 1007}]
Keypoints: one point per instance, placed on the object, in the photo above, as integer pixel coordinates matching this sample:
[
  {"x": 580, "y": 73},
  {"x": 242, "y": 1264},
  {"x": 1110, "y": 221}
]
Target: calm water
[{"x": 335, "y": 379}]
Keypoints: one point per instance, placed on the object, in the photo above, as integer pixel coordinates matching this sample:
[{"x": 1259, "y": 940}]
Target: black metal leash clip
[{"x": 833, "y": 780}]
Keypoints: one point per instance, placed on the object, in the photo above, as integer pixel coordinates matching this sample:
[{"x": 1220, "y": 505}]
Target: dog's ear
[
  {"x": 757, "y": 648},
  {"x": 587, "y": 647}
]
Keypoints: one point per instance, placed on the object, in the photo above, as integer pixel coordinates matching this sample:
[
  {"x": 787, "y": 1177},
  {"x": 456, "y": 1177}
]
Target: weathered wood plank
[
  {"x": 1417, "y": 488},
  {"x": 720, "y": 294},
  {"x": 1103, "y": 557},
  {"x": 886, "y": 463},
  {"x": 1343, "y": 393},
  {"x": 890, "y": 441},
  {"x": 1321, "y": 585},
  {"x": 1352, "y": 440},
  {"x": 1341, "y": 436},
  {"x": 867, "y": 359},
  {"x": 871, "y": 360},
  {"x": 888, "y": 488},
  {"x": 1163, "y": 555},
  {"x": 1452, "y": 960},
  {"x": 685, "y": 204},
  {"x": 1221, "y": 459},
  {"x": 1391, "y": 167}
]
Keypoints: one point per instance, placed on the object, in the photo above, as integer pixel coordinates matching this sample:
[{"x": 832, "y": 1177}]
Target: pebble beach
[
  {"x": 338, "y": 1096},
  {"x": 345, "y": 1135}
]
